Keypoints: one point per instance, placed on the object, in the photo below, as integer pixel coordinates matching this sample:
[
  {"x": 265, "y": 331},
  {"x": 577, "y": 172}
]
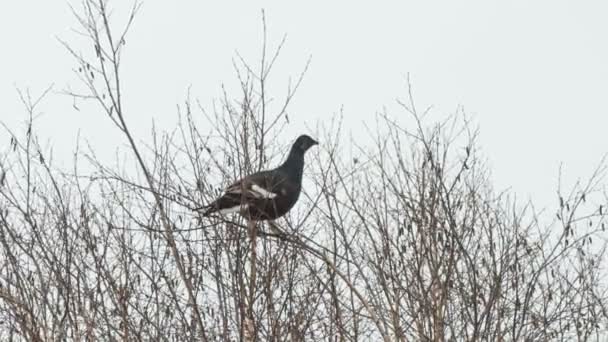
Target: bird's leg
[
  {"x": 274, "y": 228},
  {"x": 250, "y": 323}
]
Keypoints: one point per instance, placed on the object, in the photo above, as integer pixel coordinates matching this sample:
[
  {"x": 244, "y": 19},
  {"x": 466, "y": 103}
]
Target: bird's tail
[{"x": 206, "y": 210}]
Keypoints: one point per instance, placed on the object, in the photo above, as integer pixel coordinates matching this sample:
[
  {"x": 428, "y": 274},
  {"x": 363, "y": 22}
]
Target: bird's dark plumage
[{"x": 266, "y": 195}]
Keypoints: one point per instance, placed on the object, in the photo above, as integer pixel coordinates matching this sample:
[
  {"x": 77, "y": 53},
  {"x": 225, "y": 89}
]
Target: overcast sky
[{"x": 533, "y": 74}]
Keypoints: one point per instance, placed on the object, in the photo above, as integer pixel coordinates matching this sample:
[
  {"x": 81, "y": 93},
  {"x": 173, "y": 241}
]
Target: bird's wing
[{"x": 260, "y": 185}]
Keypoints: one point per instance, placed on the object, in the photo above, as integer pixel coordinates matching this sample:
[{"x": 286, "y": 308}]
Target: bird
[{"x": 269, "y": 194}]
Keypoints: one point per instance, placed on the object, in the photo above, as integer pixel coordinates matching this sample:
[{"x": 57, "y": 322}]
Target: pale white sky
[{"x": 534, "y": 74}]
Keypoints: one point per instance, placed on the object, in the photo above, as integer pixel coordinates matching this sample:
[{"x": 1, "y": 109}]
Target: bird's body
[{"x": 269, "y": 194}]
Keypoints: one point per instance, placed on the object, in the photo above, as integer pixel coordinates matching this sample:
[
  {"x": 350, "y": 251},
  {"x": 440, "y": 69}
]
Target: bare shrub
[{"x": 401, "y": 240}]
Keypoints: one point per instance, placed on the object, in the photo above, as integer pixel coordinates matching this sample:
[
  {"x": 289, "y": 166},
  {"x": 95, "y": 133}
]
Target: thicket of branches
[{"x": 401, "y": 240}]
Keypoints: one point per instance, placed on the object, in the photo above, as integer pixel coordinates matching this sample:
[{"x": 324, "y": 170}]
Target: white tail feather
[{"x": 235, "y": 209}]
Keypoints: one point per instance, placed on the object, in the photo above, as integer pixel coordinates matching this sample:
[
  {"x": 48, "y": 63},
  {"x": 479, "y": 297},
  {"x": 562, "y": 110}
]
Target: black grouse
[{"x": 269, "y": 194}]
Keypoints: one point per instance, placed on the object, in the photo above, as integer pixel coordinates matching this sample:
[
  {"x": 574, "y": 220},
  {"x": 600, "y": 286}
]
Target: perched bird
[{"x": 269, "y": 194}]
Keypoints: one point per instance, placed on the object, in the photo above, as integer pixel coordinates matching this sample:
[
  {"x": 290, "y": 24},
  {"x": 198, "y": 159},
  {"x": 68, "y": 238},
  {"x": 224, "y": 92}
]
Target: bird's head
[{"x": 304, "y": 142}]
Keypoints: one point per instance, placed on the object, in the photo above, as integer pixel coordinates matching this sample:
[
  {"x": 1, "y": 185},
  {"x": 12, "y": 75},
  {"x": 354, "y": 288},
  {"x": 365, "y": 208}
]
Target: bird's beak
[{"x": 314, "y": 142}]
